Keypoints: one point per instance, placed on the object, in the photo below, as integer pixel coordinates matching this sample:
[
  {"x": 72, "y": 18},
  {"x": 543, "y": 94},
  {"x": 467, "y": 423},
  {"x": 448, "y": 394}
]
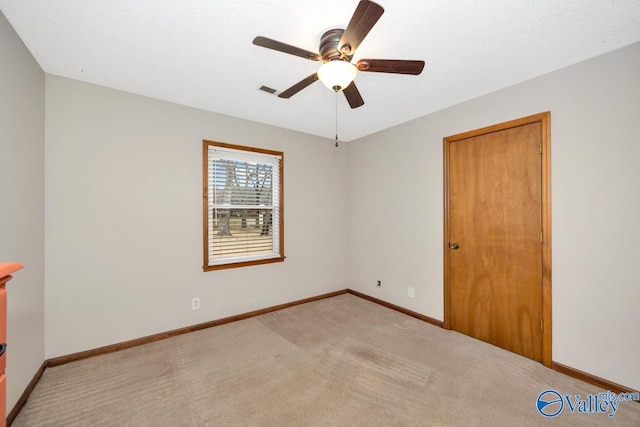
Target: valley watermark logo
[{"x": 551, "y": 403}]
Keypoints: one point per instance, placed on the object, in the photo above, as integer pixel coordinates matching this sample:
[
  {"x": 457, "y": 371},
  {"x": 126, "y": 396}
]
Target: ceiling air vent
[{"x": 267, "y": 89}]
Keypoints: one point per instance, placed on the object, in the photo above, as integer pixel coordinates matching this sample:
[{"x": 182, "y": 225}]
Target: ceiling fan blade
[
  {"x": 353, "y": 96},
  {"x": 283, "y": 47},
  {"x": 394, "y": 66},
  {"x": 364, "y": 18},
  {"x": 298, "y": 86}
]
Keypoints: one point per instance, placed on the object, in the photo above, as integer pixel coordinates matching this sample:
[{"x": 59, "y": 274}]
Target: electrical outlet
[
  {"x": 195, "y": 303},
  {"x": 410, "y": 292},
  {"x": 379, "y": 283}
]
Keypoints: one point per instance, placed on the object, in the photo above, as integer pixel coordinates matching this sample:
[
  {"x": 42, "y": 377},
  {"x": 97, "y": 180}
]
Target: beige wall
[
  {"x": 22, "y": 206},
  {"x": 395, "y": 207},
  {"x": 124, "y": 218}
]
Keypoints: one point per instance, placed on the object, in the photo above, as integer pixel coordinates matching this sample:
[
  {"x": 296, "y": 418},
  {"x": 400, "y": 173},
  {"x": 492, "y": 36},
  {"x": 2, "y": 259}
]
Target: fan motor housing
[{"x": 329, "y": 44}]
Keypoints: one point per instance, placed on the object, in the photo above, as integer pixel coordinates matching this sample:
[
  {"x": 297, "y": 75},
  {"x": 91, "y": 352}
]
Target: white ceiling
[{"x": 199, "y": 52}]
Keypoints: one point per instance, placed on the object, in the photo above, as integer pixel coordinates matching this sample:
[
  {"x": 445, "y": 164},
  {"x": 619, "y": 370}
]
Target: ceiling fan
[{"x": 337, "y": 47}]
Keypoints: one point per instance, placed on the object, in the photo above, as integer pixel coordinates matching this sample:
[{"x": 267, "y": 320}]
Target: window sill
[{"x": 242, "y": 264}]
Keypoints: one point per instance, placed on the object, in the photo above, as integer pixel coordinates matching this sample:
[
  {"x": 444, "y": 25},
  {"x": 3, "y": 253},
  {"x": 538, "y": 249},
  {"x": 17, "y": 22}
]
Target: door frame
[{"x": 545, "y": 121}]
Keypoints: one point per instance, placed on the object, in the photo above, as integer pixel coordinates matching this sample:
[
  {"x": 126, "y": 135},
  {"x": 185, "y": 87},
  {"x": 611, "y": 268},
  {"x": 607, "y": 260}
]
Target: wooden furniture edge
[
  {"x": 8, "y": 268},
  {"x": 25, "y": 395},
  {"x": 592, "y": 379},
  {"x": 402, "y": 310},
  {"x": 61, "y": 360}
]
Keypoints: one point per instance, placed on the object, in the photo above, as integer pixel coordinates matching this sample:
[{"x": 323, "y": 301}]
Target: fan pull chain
[{"x": 336, "y": 118}]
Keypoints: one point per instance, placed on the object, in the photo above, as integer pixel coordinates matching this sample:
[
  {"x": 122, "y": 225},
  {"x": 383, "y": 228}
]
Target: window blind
[{"x": 243, "y": 205}]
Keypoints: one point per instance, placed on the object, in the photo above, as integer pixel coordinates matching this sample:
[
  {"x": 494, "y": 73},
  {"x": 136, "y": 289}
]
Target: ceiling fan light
[{"x": 337, "y": 73}]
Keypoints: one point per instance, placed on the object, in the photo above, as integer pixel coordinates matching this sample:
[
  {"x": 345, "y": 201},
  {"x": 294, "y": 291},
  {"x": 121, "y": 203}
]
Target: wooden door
[{"x": 495, "y": 201}]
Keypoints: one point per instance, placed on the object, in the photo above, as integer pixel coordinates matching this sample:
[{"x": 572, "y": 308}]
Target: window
[{"x": 243, "y": 206}]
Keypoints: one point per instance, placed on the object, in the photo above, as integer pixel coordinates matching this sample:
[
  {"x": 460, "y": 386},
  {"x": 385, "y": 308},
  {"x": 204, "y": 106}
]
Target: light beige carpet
[{"x": 342, "y": 361}]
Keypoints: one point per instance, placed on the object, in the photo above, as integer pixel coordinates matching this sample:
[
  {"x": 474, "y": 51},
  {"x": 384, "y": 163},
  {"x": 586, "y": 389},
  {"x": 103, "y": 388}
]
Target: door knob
[{"x": 453, "y": 246}]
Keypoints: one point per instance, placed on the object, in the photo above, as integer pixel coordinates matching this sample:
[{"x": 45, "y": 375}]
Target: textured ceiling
[{"x": 199, "y": 53}]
